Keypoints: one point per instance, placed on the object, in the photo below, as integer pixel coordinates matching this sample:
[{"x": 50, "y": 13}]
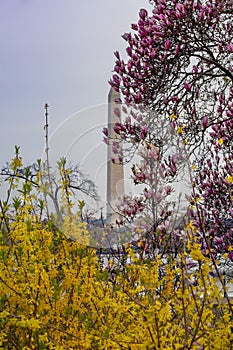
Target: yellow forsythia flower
[
  {"x": 196, "y": 253},
  {"x": 190, "y": 226},
  {"x": 220, "y": 142},
  {"x": 16, "y": 163},
  {"x": 173, "y": 116},
  {"x": 180, "y": 130},
  {"x": 230, "y": 179}
]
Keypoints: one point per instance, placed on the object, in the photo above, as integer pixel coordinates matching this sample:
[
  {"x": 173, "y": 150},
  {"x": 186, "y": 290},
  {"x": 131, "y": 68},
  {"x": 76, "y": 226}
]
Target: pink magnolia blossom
[
  {"x": 106, "y": 140},
  {"x": 167, "y": 44},
  {"x": 177, "y": 49},
  {"x": 230, "y": 47},
  {"x": 143, "y": 132},
  {"x": 105, "y": 131},
  {"x": 195, "y": 69},
  {"x": 143, "y": 14},
  {"x": 205, "y": 122},
  {"x": 187, "y": 86},
  {"x": 117, "y": 112},
  {"x": 116, "y": 53}
]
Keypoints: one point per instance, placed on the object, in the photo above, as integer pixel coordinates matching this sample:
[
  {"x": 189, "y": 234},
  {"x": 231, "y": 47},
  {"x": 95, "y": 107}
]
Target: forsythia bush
[{"x": 55, "y": 293}]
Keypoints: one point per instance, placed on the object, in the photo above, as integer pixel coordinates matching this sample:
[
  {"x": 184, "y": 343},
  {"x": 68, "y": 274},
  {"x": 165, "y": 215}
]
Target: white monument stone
[{"x": 115, "y": 172}]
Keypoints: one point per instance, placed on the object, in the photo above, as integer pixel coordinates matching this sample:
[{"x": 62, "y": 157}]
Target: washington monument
[{"x": 115, "y": 172}]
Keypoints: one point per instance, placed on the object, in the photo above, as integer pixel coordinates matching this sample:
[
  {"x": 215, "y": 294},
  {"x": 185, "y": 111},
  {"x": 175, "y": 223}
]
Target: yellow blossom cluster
[
  {"x": 55, "y": 292},
  {"x": 56, "y": 295}
]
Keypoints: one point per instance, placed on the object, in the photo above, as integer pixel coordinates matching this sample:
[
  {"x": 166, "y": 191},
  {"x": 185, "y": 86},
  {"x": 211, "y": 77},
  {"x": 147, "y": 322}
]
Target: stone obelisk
[{"x": 115, "y": 172}]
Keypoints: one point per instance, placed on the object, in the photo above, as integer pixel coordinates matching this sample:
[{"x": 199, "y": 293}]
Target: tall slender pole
[
  {"x": 51, "y": 193},
  {"x": 47, "y": 156},
  {"x": 46, "y": 127}
]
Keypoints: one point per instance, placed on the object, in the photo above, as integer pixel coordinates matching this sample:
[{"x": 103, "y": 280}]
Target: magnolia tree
[
  {"x": 212, "y": 193},
  {"x": 178, "y": 72},
  {"x": 179, "y": 64},
  {"x": 156, "y": 214}
]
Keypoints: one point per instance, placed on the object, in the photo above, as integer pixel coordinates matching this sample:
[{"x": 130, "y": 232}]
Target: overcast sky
[{"x": 58, "y": 52}]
